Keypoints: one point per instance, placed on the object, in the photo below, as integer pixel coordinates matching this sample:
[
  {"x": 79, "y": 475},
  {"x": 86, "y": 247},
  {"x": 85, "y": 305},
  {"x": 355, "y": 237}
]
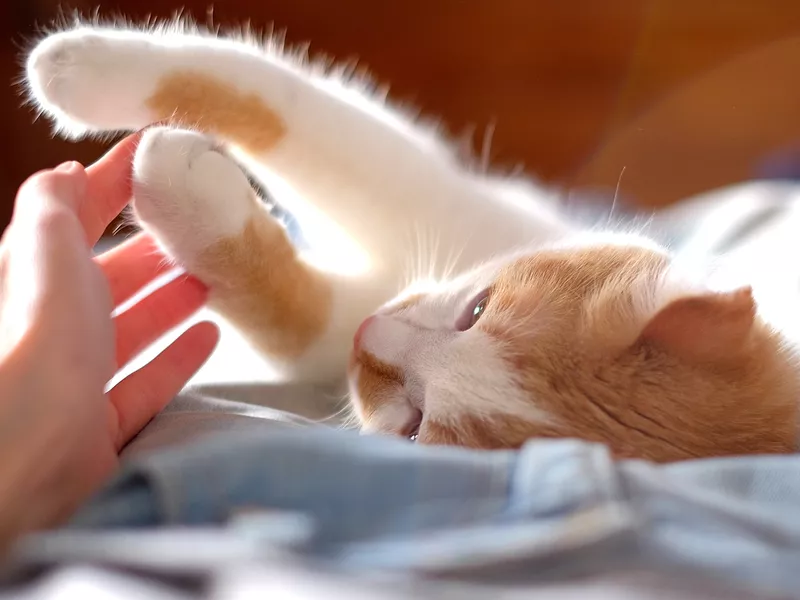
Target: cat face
[{"x": 595, "y": 340}]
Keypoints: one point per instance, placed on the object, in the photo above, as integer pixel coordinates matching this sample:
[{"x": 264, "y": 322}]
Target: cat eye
[{"x": 473, "y": 311}]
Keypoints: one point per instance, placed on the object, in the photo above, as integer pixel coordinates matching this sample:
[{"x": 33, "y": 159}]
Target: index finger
[
  {"x": 132, "y": 265},
  {"x": 109, "y": 188}
]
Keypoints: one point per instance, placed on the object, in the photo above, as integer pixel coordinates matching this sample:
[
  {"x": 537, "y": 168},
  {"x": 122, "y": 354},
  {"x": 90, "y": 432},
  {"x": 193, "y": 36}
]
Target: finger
[
  {"x": 132, "y": 265},
  {"x": 141, "y": 395},
  {"x": 45, "y": 235},
  {"x": 109, "y": 188},
  {"x": 154, "y": 315},
  {"x": 55, "y": 285},
  {"x": 53, "y": 189}
]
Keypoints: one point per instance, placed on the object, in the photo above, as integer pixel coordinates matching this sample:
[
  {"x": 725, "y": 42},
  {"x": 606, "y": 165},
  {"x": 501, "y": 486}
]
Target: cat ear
[{"x": 703, "y": 326}]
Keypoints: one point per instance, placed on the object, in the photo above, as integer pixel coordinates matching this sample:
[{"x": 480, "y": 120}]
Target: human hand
[{"x": 60, "y": 432}]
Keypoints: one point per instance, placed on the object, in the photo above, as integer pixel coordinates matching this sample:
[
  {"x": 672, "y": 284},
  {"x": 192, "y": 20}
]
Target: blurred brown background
[{"x": 686, "y": 95}]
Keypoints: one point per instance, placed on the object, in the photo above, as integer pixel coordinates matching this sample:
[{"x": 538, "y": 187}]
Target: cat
[{"x": 545, "y": 330}]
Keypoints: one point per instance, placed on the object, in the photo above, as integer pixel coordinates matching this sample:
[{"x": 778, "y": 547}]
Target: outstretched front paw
[{"x": 188, "y": 193}]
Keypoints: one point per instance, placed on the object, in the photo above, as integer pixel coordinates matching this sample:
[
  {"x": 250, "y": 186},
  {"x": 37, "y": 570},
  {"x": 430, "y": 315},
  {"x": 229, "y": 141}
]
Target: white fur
[
  {"x": 340, "y": 151},
  {"x": 355, "y": 164},
  {"x": 395, "y": 417}
]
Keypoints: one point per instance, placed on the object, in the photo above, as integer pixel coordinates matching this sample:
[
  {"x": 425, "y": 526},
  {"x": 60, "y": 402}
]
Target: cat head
[{"x": 602, "y": 340}]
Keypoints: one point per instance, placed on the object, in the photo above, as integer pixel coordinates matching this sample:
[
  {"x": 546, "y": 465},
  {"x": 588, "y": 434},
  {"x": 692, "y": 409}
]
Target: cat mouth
[
  {"x": 416, "y": 403},
  {"x": 411, "y": 429}
]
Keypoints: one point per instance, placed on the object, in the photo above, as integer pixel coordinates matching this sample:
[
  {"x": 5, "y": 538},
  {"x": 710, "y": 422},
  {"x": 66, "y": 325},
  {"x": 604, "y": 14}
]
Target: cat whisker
[{"x": 616, "y": 195}]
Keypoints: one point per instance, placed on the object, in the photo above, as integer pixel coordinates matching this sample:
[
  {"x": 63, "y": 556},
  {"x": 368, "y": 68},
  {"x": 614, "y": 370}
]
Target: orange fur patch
[
  {"x": 602, "y": 382},
  {"x": 376, "y": 380},
  {"x": 210, "y": 105},
  {"x": 490, "y": 433},
  {"x": 265, "y": 288}
]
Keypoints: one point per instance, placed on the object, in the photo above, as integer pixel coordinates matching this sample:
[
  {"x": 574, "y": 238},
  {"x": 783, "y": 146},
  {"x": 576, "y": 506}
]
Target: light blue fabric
[{"x": 552, "y": 511}]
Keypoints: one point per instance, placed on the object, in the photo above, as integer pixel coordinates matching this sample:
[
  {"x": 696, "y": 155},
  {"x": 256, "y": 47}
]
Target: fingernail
[{"x": 68, "y": 167}]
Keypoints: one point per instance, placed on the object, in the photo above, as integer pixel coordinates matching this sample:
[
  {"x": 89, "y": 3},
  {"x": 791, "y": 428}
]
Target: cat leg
[
  {"x": 198, "y": 204},
  {"x": 356, "y": 165}
]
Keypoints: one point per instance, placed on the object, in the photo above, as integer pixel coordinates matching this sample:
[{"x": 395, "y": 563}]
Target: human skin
[{"x": 60, "y": 429}]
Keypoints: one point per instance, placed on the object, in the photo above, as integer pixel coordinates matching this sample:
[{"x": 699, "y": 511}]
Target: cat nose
[{"x": 360, "y": 332}]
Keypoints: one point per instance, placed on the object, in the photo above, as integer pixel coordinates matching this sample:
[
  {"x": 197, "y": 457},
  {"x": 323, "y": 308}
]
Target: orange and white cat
[{"x": 546, "y": 330}]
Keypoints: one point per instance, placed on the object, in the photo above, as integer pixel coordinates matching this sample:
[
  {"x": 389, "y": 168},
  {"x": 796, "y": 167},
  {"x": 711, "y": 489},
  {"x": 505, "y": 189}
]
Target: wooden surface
[{"x": 684, "y": 95}]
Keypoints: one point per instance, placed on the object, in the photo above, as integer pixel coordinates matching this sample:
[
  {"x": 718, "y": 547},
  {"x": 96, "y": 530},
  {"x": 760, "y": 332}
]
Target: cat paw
[
  {"x": 188, "y": 193},
  {"x": 90, "y": 80}
]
